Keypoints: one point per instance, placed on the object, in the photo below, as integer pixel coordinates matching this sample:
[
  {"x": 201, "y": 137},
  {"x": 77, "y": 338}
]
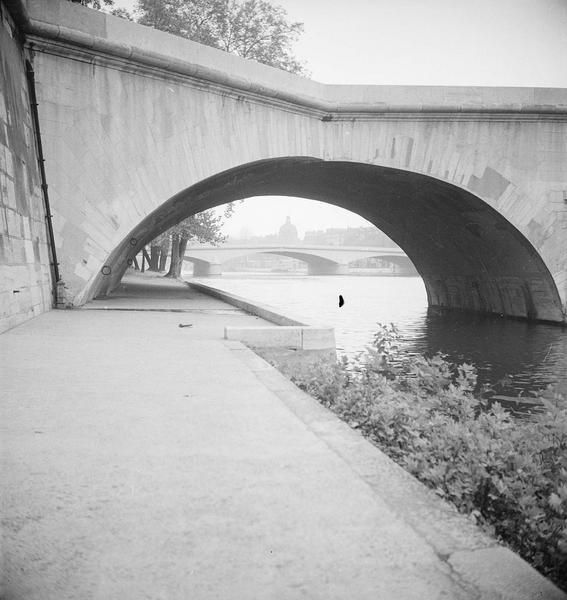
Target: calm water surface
[{"x": 533, "y": 355}]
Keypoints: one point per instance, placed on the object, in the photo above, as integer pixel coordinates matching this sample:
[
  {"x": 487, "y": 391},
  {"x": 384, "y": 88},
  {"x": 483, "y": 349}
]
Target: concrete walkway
[{"x": 144, "y": 460}]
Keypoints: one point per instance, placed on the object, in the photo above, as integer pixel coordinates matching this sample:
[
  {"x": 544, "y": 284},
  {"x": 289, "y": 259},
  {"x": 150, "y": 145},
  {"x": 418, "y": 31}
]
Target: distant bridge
[{"x": 321, "y": 260}]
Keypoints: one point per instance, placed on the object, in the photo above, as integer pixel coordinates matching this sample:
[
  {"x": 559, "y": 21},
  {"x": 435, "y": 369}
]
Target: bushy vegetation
[{"x": 508, "y": 474}]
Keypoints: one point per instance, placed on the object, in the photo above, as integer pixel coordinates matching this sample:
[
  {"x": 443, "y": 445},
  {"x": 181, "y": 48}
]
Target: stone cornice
[{"x": 91, "y": 36}]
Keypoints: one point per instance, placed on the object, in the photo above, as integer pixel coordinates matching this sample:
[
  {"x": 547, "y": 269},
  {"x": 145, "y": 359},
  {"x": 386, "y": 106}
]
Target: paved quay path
[{"x": 142, "y": 460}]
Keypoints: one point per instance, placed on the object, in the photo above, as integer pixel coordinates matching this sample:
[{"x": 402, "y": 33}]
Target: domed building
[{"x": 288, "y": 233}]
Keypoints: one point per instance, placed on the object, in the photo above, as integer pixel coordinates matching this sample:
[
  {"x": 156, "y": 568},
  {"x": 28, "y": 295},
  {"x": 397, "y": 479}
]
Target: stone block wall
[{"x": 25, "y": 278}]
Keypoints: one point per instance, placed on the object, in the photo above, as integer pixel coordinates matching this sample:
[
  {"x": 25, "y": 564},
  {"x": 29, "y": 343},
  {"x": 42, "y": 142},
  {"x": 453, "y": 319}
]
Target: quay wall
[{"x": 24, "y": 253}]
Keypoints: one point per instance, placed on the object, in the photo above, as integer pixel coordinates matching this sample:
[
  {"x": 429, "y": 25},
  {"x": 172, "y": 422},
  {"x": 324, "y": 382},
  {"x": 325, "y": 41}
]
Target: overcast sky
[{"x": 414, "y": 42}]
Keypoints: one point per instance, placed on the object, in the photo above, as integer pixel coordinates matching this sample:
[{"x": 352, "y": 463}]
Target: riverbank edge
[
  {"x": 291, "y": 331},
  {"x": 475, "y": 559}
]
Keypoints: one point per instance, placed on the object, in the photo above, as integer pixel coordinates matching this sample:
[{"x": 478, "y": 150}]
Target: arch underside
[{"x": 469, "y": 256}]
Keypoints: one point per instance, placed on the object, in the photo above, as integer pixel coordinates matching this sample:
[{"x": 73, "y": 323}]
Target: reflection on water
[{"x": 533, "y": 355}]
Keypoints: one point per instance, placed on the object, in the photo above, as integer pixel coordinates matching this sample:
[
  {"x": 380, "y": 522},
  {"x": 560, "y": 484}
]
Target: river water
[{"x": 530, "y": 356}]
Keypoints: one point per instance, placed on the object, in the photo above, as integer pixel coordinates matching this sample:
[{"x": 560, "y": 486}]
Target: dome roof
[{"x": 288, "y": 232}]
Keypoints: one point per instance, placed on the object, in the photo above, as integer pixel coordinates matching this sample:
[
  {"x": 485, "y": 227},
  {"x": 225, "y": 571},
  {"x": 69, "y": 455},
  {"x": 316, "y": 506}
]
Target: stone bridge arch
[
  {"x": 470, "y": 182},
  {"x": 468, "y": 254},
  {"x": 203, "y": 268}
]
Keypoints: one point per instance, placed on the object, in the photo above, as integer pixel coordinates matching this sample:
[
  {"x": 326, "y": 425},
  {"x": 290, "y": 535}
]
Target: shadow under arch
[{"x": 468, "y": 254}]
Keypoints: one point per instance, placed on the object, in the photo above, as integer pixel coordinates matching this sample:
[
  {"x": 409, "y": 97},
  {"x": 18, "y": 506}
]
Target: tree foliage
[
  {"x": 253, "y": 29},
  {"x": 105, "y": 5},
  {"x": 122, "y": 13},
  {"x": 203, "y": 227},
  {"x": 97, "y": 4}
]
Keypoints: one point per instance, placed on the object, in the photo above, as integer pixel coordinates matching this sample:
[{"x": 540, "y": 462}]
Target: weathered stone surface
[
  {"x": 301, "y": 338},
  {"x": 500, "y": 573},
  {"x": 318, "y": 338},
  {"x": 24, "y": 260},
  {"x": 275, "y": 337}
]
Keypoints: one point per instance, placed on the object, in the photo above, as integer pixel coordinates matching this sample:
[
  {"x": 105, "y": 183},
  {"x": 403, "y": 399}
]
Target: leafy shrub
[{"x": 508, "y": 474}]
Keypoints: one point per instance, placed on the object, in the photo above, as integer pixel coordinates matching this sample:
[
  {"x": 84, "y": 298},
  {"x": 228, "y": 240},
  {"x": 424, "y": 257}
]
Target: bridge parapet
[
  {"x": 339, "y": 254},
  {"x": 321, "y": 260},
  {"x": 59, "y": 27}
]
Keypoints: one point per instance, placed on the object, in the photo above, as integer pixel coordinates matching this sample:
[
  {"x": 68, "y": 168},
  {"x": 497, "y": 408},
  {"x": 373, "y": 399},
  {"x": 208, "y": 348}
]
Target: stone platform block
[
  {"x": 300, "y": 338},
  {"x": 318, "y": 338},
  {"x": 266, "y": 337}
]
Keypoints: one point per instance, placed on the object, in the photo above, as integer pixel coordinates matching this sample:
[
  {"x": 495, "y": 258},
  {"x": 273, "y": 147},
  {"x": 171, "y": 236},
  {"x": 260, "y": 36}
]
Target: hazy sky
[
  {"x": 415, "y": 42},
  {"x": 263, "y": 215}
]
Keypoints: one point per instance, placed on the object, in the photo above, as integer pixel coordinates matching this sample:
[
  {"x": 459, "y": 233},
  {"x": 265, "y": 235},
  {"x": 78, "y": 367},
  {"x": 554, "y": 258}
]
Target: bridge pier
[
  {"x": 327, "y": 268},
  {"x": 203, "y": 269},
  {"x": 405, "y": 270}
]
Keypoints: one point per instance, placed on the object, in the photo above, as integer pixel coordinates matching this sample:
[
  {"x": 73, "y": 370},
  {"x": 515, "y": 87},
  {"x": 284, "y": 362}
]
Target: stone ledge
[
  {"x": 297, "y": 337},
  {"x": 273, "y": 337},
  {"x": 500, "y": 573},
  {"x": 103, "y": 34},
  {"x": 291, "y": 331},
  {"x": 264, "y": 311}
]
